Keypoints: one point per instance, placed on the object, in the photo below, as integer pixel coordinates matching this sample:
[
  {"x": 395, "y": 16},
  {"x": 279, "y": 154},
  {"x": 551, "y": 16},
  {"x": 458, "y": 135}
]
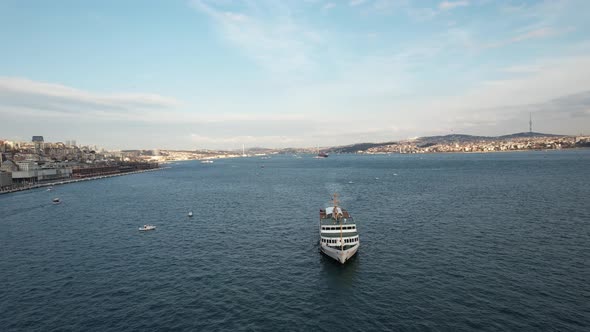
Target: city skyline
[{"x": 219, "y": 74}]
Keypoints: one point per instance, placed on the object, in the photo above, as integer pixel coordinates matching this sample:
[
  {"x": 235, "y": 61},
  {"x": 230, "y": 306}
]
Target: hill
[{"x": 427, "y": 141}]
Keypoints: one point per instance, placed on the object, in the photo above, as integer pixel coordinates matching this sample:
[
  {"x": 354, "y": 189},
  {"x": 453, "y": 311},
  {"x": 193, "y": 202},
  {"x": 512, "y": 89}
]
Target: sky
[{"x": 205, "y": 74}]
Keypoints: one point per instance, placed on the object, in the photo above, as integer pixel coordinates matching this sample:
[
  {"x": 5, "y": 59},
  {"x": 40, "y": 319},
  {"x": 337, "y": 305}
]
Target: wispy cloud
[
  {"x": 541, "y": 33},
  {"x": 448, "y": 5},
  {"x": 50, "y": 97},
  {"x": 329, "y": 5},
  {"x": 276, "y": 41},
  {"x": 21, "y": 96},
  {"x": 356, "y": 2},
  {"x": 211, "y": 141},
  {"x": 536, "y": 34}
]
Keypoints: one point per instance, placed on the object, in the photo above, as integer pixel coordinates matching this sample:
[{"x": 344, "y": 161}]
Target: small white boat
[
  {"x": 207, "y": 161},
  {"x": 350, "y": 182},
  {"x": 190, "y": 214},
  {"x": 50, "y": 189},
  {"x": 147, "y": 228},
  {"x": 56, "y": 201}
]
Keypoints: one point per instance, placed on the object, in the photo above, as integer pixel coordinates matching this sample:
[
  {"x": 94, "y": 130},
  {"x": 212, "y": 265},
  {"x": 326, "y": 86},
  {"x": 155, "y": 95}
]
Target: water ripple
[{"x": 449, "y": 242}]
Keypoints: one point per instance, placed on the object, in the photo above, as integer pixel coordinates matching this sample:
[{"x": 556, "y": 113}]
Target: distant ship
[
  {"x": 321, "y": 154},
  {"x": 56, "y": 201},
  {"x": 207, "y": 161},
  {"x": 339, "y": 238}
]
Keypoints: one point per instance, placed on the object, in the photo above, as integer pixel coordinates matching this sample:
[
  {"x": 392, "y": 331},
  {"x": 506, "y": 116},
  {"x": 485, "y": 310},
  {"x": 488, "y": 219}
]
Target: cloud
[
  {"x": 448, "y": 5},
  {"x": 224, "y": 142},
  {"x": 575, "y": 105},
  {"x": 24, "y": 97},
  {"x": 540, "y": 33},
  {"x": 269, "y": 35},
  {"x": 535, "y": 34},
  {"x": 556, "y": 89},
  {"x": 25, "y": 94},
  {"x": 356, "y": 2},
  {"x": 329, "y": 5}
]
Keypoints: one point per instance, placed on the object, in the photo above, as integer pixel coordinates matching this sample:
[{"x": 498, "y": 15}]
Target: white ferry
[{"x": 339, "y": 237}]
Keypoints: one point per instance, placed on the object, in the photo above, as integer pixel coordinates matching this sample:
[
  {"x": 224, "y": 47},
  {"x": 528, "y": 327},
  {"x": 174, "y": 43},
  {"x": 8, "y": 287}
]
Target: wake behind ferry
[{"x": 339, "y": 238}]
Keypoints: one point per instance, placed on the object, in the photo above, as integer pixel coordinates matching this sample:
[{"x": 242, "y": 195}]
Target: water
[{"x": 448, "y": 242}]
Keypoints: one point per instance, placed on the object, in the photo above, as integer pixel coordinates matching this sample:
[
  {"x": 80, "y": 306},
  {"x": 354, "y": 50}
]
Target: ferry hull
[{"x": 339, "y": 255}]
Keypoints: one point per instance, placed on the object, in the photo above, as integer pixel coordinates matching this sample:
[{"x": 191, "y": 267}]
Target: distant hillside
[
  {"x": 431, "y": 140},
  {"x": 470, "y": 138},
  {"x": 427, "y": 141},
  {"x": 528, "y": 134},
  {"x": 357, "y": 147}
]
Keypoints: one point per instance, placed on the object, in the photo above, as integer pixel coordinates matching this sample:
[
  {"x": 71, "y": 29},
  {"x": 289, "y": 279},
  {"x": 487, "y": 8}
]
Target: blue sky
[{"x": 219, "y": 74}]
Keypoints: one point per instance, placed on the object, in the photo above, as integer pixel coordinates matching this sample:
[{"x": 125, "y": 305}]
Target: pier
[{"x": 57, "y": 183}]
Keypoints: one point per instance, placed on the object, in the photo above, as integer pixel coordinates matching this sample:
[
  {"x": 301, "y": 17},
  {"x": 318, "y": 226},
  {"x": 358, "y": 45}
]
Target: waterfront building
[
  {"x": 8, "y": 166},
  {"x": 30, "y": 172},
  {"x": 5, "y": 179},
  {"x": 38, "y": 142}
]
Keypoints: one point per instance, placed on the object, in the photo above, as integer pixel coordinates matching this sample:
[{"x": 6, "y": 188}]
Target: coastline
[
  {"x": 67, "y": 181},
  {"x": 471, "y": 152}
]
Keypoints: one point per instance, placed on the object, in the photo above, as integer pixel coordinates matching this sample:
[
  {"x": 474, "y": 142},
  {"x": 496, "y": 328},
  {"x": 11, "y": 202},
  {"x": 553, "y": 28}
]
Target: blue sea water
[{"x": 448, "y": 242}]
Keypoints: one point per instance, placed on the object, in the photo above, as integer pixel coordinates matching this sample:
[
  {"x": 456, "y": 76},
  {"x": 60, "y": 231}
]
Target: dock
[{"x": 62, "y": 182}]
